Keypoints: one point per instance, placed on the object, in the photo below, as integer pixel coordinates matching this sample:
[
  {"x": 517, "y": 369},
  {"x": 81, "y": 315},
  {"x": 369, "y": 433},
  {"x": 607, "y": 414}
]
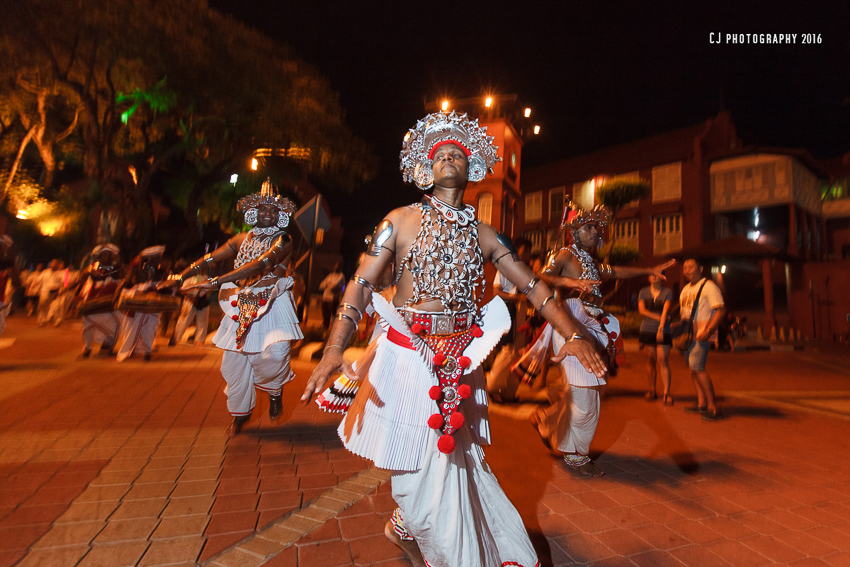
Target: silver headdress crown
[
  {"x": 267, "y": 196},
  {"x": 575, "y": 216},
  {"x": 434, "y": 130}
]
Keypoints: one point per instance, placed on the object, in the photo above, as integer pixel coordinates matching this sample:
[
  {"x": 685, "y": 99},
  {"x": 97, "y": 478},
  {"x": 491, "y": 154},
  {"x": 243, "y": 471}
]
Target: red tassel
[
  {"x": 477, "y": 332},
  {"x": 253, "y": 315},
  {"x": 464, "y": 391},
  {"x": 435, "y": 392},
  {"x": 457, "y": 420},
  {"x": 234, "y": 303},
  {"x": 612, "y": 335},
  {"x": 436, "y": 421},
  {"x": 262, "y": 302},
  {"x": 446, "y": 444},
  {"x": 439, "y": 359},
  {"x": 235, "y": 317},
  {"x": 416, "y": 328},
  {"x": 464, "y": 361},
  {"x": 605, "y": 320}
]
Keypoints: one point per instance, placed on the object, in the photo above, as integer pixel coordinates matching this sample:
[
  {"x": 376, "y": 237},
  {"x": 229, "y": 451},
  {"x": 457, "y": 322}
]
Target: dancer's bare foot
[
  {"x": 410, "y": 548},
  {"x": 586, "y": 470}
]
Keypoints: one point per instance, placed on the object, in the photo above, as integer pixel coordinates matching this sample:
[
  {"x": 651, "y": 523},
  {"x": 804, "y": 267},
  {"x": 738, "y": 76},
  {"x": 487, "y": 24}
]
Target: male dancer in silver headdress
[
  {"x": 259, "y": 320},
  {"x": 422, "y": 410},
  {"x": 570, "y": 424},
  {"x": 99, "y": 286}
]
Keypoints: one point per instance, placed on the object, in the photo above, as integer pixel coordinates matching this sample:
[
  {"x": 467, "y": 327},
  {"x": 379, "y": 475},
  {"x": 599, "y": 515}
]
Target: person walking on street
[
  {"x": 655, "y": 303},
  {"x": 33, "y": 289},
  {"x": 50, "y": 284},
  {"x": 708, "y": 316}
]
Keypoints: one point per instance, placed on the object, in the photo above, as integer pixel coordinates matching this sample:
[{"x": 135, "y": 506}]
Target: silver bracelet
[
  {"x": 213, "y": 282},
  {"x": 341, "y": 316},
  {"x": 527, "y": 289},
  {"x": 350, "y": 306},
  {"x": 365, "y": 283},
  {"x": 328, "y": 347},
  {"x": 545, "y": 301},
  {"x": 576, "y": 337}
]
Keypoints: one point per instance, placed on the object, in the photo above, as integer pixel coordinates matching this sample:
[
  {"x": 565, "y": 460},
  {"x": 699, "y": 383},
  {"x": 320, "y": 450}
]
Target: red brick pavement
[{"x": 127, "y": 464}]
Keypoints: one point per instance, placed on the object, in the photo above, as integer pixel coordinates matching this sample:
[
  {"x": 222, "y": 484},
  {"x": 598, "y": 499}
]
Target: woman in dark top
[{"x": 655, "y": 303}]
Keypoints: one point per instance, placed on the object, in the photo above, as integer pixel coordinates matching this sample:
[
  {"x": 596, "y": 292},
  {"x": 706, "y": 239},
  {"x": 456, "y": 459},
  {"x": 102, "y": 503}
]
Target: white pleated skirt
[{"x": 275, "y": 322}]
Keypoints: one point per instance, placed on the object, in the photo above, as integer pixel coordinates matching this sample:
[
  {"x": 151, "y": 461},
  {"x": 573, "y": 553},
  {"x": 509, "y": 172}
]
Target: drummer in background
[
  {"x": 100, "y": 283},
  {"x": 138, "y": 330}
]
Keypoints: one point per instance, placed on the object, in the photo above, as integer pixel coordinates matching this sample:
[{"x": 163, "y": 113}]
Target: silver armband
[
  {"x": 545, "y": 301},
  {"x": 606, "y": 271},
  {"x": 209, "y": 259},
  {"x": 527, "y": 289},
  {"x": 344, "y": 306},
  {"x": 380, "y": 236},
  {"x": 358, "y": 280},
  {"x": 341, "y": 316}
]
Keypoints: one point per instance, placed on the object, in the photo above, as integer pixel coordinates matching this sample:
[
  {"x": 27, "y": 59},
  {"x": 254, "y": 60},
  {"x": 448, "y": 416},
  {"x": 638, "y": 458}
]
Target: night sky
[{"x": 595, "y": 73}]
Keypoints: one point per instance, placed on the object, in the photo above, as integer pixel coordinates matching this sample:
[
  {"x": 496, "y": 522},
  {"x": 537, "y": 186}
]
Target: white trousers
[
  {"x": 189, "y": 314},
  {"x": 137, "y": 331},
  {"x": 458, "y": 514},
  {"x": 101, "y": 328},
  {"x": 268, "y": 371},
  {"x": 570, "y": 423},
  {"x": 45, "y": 304}
]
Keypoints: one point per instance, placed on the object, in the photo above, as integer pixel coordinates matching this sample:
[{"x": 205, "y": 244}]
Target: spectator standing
[
  {"x": 195, "y": 308},
  {"x": 331, "y": 288},
  {"x": 655, "y": 303},
  {"x": 710, "y": 311},
  {"x": 33, "y": 289}
]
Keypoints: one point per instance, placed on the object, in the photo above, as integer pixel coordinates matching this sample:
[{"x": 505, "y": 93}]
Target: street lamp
[
  {"x": 234, "y": 178},
  {"x": 488, "y": 101},
  {"x": 445, "y": 105},
  {"x": 537, "y": 129},
  {"x": 254, "y": 164},
  {"x": 527, "y": 112}
]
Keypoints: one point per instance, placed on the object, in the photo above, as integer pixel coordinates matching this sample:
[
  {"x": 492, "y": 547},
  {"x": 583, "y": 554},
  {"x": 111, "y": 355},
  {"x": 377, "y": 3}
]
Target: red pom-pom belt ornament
[
  {"x": 248, "y": 304},
  {"x": 449, "y": 364}
]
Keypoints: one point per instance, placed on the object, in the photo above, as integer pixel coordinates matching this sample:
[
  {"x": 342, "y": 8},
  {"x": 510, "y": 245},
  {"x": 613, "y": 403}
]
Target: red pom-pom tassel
[
  {"x": 464, "y": 391},
  {"x": 253, "y": 315},
  {"x": 439, "y": 359},
  {"x": 464, "y": 361},
  {"x": 605, "y": 320},
  {"x": 435, "y": 392},
  {"x": 262, "y": 302},
  {"x": 235, "y": 317},
  {"x": 416, "y": 328},
  {"x": 436, "y": 421},
  {"x": 612, "y": 335},
  {"x": 446, "y": 444},
  {"x": 477, "y": 332},
  {"x": 457, "y": 420},
  {"x": 234, "y": 303}
]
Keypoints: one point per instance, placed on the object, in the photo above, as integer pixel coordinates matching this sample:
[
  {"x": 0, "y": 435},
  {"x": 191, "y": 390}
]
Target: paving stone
[
  {"x": 57, "y": 556},
  {"x": 328, "y": 554},
  {"x": 78, "y": 533},
  {"x": 124, "y": 554},
  {"x": 173, "y": 550},
  {"x": 180, "y": 526},
  {"x": 187, "y": 506}
]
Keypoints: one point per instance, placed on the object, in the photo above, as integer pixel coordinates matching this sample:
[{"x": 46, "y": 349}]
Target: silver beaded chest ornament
[{"x": 445, "y": 259}]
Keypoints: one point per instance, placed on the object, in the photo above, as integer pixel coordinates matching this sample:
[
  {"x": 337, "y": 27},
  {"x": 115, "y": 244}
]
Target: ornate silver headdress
[
  {"x": 575, "y": 217},
  {"x": 436, "y": 129},
  {"x": 267, "y": 196}
]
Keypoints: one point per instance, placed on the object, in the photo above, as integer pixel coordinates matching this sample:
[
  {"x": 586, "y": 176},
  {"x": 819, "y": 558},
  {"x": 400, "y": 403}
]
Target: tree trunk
[{"x": 17, "y": 162}]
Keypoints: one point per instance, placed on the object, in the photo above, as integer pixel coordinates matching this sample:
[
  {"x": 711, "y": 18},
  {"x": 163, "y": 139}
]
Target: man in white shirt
[
  {"x": 331, "y": 288},
  {"x": 51, "y": 284},
  {"x": 709, "y": 314}
]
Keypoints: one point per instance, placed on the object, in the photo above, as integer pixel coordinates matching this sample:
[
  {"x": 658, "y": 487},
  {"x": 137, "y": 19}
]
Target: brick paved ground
[{"x": 127, "y": 464}]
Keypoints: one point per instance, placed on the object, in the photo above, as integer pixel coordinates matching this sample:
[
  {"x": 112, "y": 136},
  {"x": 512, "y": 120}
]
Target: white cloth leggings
[
  {"x": 570, "y": 424},
  {"x": 268, "y": 371}
]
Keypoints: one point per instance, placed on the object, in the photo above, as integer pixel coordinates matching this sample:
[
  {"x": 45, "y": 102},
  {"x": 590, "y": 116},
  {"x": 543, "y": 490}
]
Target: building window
[
  {"x": 534, "y": 207},
  {"x": 626, "y": 232},
  {"x": 485, "y": 208},
  {"x": 556, "y": 203},
  {"x": 536, "y": 239},
  {"x": 667, "y": 234},
  {"x": 667, "y": 182},
  {"x": 722, "y": 228}
]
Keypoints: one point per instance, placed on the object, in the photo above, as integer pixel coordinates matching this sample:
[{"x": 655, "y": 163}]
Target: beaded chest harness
[
  {"x": 445, "y": 259},
  {"x": 252, "y": 248},
  {"x": 589, "y": 271},
  {"x": 248, "y": 302}
]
